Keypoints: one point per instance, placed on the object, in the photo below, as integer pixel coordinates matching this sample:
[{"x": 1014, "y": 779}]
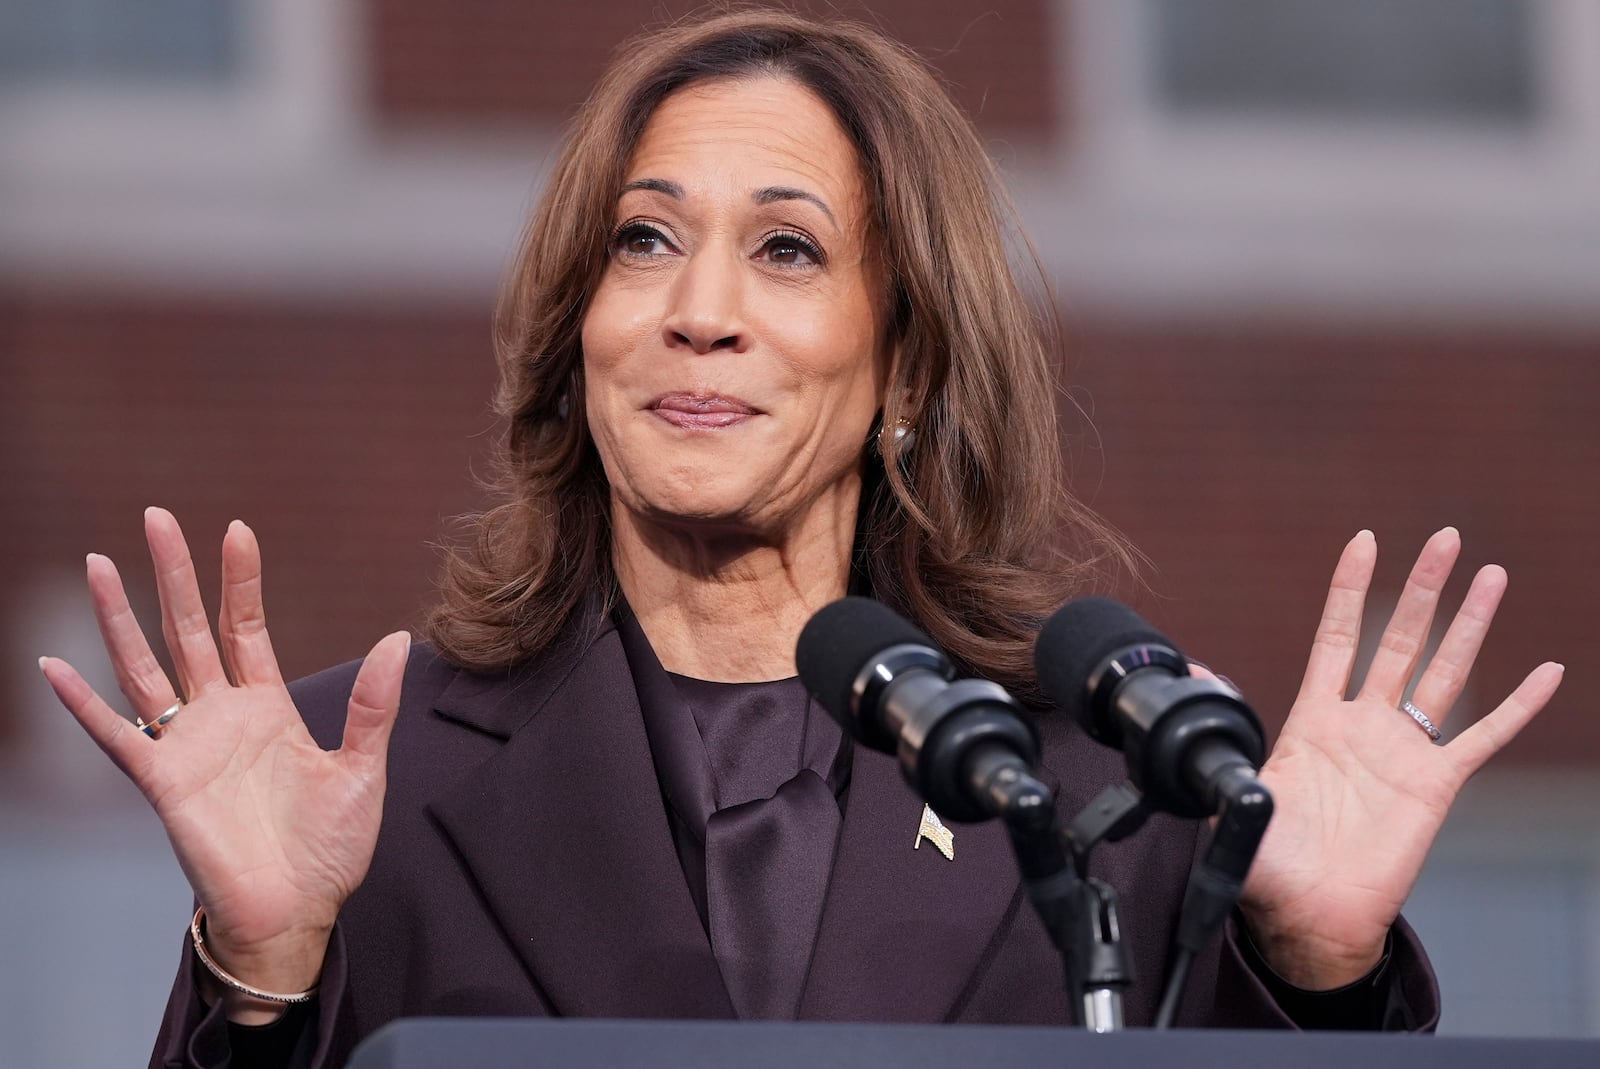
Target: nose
[{"x": 705, "y": 306}]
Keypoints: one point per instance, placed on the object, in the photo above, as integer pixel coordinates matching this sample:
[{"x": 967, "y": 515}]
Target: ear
[{"x": 896, "y": 417}]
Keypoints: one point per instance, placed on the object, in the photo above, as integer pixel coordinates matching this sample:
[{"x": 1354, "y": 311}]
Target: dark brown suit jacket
[{"x": 525, "y": 866}]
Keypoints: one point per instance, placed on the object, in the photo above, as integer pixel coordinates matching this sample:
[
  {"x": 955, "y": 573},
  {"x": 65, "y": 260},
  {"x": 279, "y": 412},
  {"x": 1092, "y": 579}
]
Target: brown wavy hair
[{"x": 965, "y": 526}]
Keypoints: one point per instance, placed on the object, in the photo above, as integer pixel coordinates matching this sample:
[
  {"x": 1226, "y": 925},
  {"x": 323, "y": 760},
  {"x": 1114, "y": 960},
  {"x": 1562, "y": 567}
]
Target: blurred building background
[{"x": 1321, "y": 266}]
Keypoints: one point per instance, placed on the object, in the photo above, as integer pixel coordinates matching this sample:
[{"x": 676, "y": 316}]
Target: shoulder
[
  {"x": 323, "y": 698},
  {"x": 1073, "y": 757}
]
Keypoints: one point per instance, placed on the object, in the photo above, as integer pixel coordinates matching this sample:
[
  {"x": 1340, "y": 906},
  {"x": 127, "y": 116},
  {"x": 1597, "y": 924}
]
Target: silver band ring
[
  {"x": 155, "y": 727},
  {"x": 1422, "y": 720}
]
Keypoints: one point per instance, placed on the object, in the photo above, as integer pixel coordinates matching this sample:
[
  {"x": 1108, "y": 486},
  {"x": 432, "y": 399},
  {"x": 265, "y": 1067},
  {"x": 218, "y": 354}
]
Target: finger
[
  {"x": 183, "y": 614},
  {"x": 1490, "y": 734},
  {"x": 242, "y": 621},
  {"x": 127, "y": 746},
  {"x": 375, "y": 698},
  {"x": 1202, "y": 671},
  {"x": 1403, "y": 640},
  {"x": 1333, "y": 650},
  {"x": 139, "y": 675},
  {"x": 1446, "y": 674}
]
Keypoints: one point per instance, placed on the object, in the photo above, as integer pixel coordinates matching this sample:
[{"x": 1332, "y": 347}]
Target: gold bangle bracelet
[{"x": 197, "y": 932}]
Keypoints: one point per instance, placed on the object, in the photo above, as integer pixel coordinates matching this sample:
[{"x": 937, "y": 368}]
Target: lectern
[{"x": 492, "y": 1043}]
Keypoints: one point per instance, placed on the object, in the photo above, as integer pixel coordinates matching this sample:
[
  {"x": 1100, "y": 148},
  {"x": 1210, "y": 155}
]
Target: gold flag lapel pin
[{"x": 931, "y": 829}]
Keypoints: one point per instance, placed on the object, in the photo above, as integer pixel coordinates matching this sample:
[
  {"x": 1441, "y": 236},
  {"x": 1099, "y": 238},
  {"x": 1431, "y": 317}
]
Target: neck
[{"x": 724, "y": 605}]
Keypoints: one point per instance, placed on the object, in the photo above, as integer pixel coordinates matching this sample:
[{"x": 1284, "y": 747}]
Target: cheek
[
  {"x": 610, "y": 338},
  {"x": 602, "y": 336},
  {"x": 850, "y": 366},
  {"x": 604, "y": 364}
]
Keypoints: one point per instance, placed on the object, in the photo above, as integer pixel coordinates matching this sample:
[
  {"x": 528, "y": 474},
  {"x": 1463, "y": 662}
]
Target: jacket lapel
[
  {"x": 565, "y": 833},
  {"x": 904, "y": 931}
]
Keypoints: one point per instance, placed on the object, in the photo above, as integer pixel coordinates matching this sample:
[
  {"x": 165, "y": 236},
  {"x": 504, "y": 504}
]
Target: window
[
  {"x": 1358, "y": 155},
  {"x": 45, "y": 42},
  {"x": 1370, "y": 60}
]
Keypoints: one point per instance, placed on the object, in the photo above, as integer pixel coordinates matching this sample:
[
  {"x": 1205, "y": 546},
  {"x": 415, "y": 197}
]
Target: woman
[{"x": 761, "y": 346}]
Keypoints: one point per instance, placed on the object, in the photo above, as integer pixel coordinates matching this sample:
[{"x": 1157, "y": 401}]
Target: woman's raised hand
[
  {"x": 272, "y": 831},
  {"x": 1361, "y": 789}
]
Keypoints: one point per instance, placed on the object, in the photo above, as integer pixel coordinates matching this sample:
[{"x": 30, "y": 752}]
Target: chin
[
  {"x": 700, "y": 496},
  {"x": 731, "y": 515}
]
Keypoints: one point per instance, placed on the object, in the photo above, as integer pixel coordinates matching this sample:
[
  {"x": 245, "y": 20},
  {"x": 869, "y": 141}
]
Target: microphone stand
[
  {"x": 1244, "y": 806},
  {"x": 1079, "y": 912}
]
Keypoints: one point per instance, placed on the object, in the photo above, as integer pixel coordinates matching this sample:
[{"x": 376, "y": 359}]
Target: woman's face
[{"x": 734, "y": 352}]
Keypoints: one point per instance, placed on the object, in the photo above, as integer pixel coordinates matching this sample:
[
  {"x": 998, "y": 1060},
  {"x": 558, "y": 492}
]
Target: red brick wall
[
  {"x": 478, "y": 60},
  {"x": 1240, "y": 459},
  {"x": 344, "y": 436}
]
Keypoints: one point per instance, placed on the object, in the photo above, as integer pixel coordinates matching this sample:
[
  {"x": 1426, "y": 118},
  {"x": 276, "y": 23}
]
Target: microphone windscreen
[
  {"x": 1074, "y": 642},
  {"x": 839, "y": 641}
]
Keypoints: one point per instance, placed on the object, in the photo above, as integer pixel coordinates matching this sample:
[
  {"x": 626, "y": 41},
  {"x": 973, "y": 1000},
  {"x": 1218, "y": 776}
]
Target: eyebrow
[
  {"x": 765, "y": 195},
  {"x": 654, "y": 185},
  {"x": 773, "y": 194}
]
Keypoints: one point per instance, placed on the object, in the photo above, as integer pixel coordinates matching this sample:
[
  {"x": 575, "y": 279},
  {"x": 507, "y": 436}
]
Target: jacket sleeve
[
  {"x": 317, "y": 1035},
  {"x": 1401, "y": 993}
]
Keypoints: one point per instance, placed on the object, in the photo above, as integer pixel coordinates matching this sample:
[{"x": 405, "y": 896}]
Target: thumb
[{"x": 375, "y": 698}]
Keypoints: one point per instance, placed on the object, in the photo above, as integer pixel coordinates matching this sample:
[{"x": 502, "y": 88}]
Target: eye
[
  {"x": 791, "y": 250},
  {"x": 640, "y": 239}
]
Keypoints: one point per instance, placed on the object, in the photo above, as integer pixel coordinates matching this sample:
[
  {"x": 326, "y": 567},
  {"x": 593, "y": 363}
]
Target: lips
[{"x": 702, "y": 411}]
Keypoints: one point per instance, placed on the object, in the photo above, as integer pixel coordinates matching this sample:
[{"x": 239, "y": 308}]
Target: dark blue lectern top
[{"x": 481, "y": 1043}]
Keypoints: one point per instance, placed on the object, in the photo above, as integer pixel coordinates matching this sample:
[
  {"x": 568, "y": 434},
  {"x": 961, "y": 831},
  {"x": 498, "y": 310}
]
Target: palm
[
  {"x": 273, "y": 832},
  {"x": 261, "y": 818},
  {"x": 1361, "y": 790}
]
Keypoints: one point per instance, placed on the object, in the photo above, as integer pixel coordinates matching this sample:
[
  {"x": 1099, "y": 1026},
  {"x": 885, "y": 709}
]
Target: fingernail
[
  {"x": 1452, "y": 530},
  {"x": 235, "y": 523},
  {"x": 41, "y": 663}
]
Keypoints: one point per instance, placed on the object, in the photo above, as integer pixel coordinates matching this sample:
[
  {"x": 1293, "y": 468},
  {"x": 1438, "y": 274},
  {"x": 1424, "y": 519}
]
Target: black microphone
[
  {"x": 1191, "y": 743},
  {"x": 1192, "y": 747},
  {"x": 965, "y": 745}
]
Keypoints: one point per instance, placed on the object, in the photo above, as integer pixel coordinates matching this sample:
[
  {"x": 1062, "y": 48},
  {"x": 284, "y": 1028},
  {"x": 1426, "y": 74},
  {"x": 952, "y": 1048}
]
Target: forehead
[{"x": 737, "y": 135}]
